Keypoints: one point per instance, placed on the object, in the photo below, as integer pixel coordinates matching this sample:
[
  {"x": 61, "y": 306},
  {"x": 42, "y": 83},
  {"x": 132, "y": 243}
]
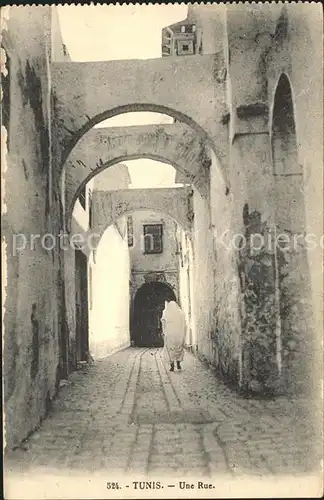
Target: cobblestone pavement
[{"x": 128, "y": 413}]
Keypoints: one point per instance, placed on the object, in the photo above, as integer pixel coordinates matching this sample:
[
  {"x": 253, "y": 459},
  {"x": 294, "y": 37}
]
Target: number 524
[{"x": 112, "y": 486}]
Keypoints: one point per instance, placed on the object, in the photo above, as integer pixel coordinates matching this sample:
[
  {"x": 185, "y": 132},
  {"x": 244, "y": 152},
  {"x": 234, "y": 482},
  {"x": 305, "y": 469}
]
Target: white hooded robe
[{"x": 174, "y": 331}]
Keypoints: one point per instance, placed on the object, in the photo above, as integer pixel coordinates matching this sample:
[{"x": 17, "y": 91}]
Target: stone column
[
  {"x": 252, "y": 188},
  {"x": 253, "y": 193}
]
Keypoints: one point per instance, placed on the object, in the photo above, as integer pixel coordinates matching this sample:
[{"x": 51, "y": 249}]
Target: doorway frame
[{"x": 146, "y": 284}]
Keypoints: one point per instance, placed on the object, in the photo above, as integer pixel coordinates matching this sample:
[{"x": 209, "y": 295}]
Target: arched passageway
[
  {"x": 185, "y": 146},
  {"x": 189, "y": 147},
  {"x": 146, "y": 330},
  {"x": 177, "y": 145},
  {"x": 116, "y": 266}
]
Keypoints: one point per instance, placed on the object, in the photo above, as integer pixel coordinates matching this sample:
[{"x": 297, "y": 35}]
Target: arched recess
[
  {"x": 288, "y": 172},
  {"x": 149, "y": 300},
  {"x": 291, "y": 254},
  {"x": 284, "y": 138},
  {"x": 99, "y": 149}
]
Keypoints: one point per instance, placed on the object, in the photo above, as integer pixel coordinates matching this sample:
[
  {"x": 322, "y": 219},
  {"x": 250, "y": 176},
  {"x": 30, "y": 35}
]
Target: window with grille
[
  {"x": 185, "y": 47},
  {"x": 153, "y": 238}
]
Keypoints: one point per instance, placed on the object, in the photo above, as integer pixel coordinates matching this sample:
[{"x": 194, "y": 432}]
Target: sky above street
[{"x": 107, "y": 32}]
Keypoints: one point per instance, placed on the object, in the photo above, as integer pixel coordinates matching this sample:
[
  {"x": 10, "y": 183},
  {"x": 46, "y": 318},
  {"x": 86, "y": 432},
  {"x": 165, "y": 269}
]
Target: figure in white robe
[{"x": 174, "y": 331}]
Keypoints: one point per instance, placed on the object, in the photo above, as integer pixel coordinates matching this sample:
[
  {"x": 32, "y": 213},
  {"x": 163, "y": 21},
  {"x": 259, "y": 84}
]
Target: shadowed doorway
[
  {"x": 81, "y": 306},
  {"x": 148, "y": 307}
]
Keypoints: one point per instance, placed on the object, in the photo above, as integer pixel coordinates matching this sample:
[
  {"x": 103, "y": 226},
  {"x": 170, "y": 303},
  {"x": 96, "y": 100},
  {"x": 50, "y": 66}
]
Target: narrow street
[
  {"x": 128, "y": 414},
  {"x": 161, "y": 166}
]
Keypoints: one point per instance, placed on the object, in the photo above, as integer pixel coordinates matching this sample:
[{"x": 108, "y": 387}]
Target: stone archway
[
  {"x": 148, "y": 306},
  {"x": 99, "y": 149},
  {"x": 76, "y": 111},
  {"x": 109, "y": 206},
  {"x": 83, "y": 96}
]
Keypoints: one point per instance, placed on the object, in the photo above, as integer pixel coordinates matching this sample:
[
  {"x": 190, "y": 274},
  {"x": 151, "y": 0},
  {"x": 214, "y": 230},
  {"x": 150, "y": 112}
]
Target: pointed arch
[
  {"x": 292, "y": 269},
  {"x": 287, "y": 171}
]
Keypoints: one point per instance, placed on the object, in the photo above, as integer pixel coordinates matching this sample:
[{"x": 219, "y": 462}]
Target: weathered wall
[
  {"x": 298, "y": 54},
  {"x": 277, "y": 40},
  {"x": 226, "y": 333},
  {"x": 109, "y": 294},
  {"x": 186, "y": 292},
  {"x": 203, "y": 278},
  {"x": 34, "y": 312},
  {"x": 211, "y": 19},
  {"x": 252, "y": 188}
]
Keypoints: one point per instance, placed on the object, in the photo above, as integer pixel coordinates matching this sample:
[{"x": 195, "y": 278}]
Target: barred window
[{"x": 153, "y": 238}]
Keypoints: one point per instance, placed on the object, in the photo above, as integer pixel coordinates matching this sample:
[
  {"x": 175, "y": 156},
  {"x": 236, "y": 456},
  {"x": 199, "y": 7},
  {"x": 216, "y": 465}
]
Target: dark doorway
[
  {"x": 81, "y": 306},
  {"x": 148, "y": 307}
]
